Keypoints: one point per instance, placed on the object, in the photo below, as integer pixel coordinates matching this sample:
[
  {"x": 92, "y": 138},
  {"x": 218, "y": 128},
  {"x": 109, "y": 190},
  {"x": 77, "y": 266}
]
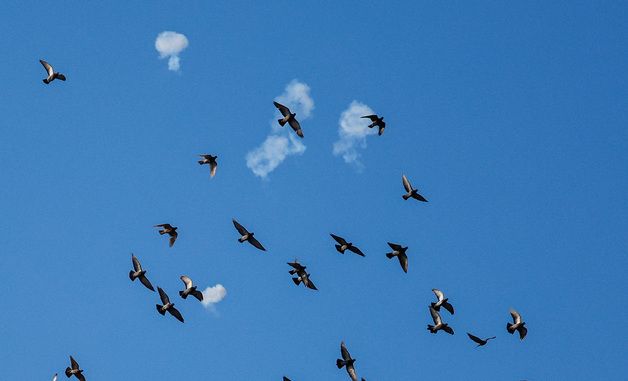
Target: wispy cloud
[
  {"x": 281, "y": 141},
  {"x": 170, "y": 44},
  {"x": 213, "y": 295},
  {"x": 352, "y": 132}
]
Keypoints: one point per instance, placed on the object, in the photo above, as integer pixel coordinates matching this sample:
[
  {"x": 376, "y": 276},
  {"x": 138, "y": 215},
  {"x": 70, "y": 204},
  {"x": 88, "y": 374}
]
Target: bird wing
[
  {"x": 403, "y": 260},
  {"x": 73, "y": 363},
  {"x": 296, "y": 126},
  {"x": 61, "y": 76},
  {"x": 309, "y": 284},
  {"x": 136, "y": 263},
  {"x": 338, "y": 239},
  {"x": 187, "y": 281},
  {"x": 146, "y": 282},
  {"x": 373, "y": 118},
  {"x": 419, "y": 197},
  {"x": 356, "y": 250},
  {"x": 406, "y": 183},
  {"x": 166, "y": 226},
  {"x": 47, "y": 67},
  {"x": 241, "y": 229},
  {"x": 394, "y": 246},
  {"x": 173, "y": 237},
  {"x": 448, "y": 307},
  {"x": 198, "y": 295},
  {"x": 435, "y": 316},
  {"x": 523, "y": 331},
  {"x": 80, "y": 376},
  {"x": 516, "y": 318},
  {"x": 163, "y": 296},
  {"x": 253, "y": 241},
  {"x": 296, "y": 265},
  {"x": 212, "y": 168},
  {"x": 344, "y": 352},
  {"x": 175, "y": 312},
  {"x": 439, "y": 294},
  {"x": 351, "y": 371},
  {"x": 475, "y": 338},
  {"x": 282, "y": 109}
]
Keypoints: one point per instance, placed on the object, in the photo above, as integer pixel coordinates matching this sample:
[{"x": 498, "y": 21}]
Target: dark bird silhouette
[
  {"x": 190, "y": 289},
  {"x": 442, "y": 301},
  {"x": 170, "y": 230},
  {"x": 247, "y": 236},
  {"x": 211, "y": 161},
  {"x": 518, "y": 325},
  {"x": 286, "y": 378},
  {"x": 480, "y": 342},
  {"x": 346, "y": 361},
  {"x": 75, "y": 370},
  {"x": 290, "y": 118},
  {"x": 438, "y": 323},
  {"x": 412, "y": 192},
  {"x": 301, "y": 275},
  {"x": 52, "y": 75},
  {"x": 344, "y": 245},
  {"x": 167, "y": 306},
  {"x": 377, "y": 122},
  {"x": 399, "y": 252},
  {"x": 140, "y": 273}
]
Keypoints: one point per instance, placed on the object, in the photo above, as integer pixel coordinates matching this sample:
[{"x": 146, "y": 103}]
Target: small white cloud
[
  {"x": 170, "y": 44},
  {"x": 213, "y": 295},
  {"x": 352, "y": 132},
  {"x": 281, "y": 142}
]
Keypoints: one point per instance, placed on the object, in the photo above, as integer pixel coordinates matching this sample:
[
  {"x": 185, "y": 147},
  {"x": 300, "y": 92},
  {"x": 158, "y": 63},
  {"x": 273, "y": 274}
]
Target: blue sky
[{"x": 510, "y": 118}]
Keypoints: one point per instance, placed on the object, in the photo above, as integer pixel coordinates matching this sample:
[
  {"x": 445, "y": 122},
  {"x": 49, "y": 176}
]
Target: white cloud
[
  {"x": 352, "y": 131},
  {"x": 282, "y": 142},
  {"x": 170, "y": 44},
  {"x": 213, "y": 295}
]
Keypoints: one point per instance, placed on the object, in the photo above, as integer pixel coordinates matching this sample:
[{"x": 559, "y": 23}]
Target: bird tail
[
  {"x": 340, "y": 363},
  {"x": 131, "y": 276},
  {"x": 201, "y": 162},
  {"x": 67, "y": 372},
  {"x": 292, "y": 272},
  {"x": 434, "y": 306},
  {"x": 406, "y": 196},
  {"x": 282, "y": 122},
  {"x": 431, "y": 328},
  {"x": 162, "y": 232},
  {"x": 338, "y": 248},
  {"x": 296, "y": 281},
  {"x": 161, "y": 312},
  {"x": 389, "y": 255},
  {"x": 46, "y": 81},
  {"x": 241, "y": 240},
  {"x": 509, "y": 328},
  {"x": 182, "y": 294}
]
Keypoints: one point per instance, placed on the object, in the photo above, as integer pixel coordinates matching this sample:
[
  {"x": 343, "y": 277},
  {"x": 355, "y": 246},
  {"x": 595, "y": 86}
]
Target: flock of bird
[{"x": 301, "y": 276}]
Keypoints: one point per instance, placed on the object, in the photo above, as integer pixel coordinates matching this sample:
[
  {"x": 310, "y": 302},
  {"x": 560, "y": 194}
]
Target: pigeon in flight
[
  {"x": 442, "y": 301},
  {"x": 302, "y": 275},
  {"x": 190, "y": 289},
  {"x": 344, "y": 245},
  {"x": 167, "y": 306},
  {"x": 412, "y": 192},
  {"x": 518, "y": 325},
  {"x": 170, "y": 230},
  {"x": 138, "y": 272},
  {"x": 377, "y": 122},
  {"x": 438, "y": 323},
  {"x": 211, "y": 161},
  {"x": 52, "y": 75},
  {"x": 290, "y": 118},
  {"x": 347, "y": 362},
  {"x": 247, "y": 236},
  {"x": 74, "y": 369},
  {"x": 480, "y": 342},
  {"x": 399, "y": 252}
]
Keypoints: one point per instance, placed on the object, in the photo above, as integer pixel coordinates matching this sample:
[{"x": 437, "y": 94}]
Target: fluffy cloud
[
  {"x": 352, "y": 132},
  {"x": 170, "y": 44},
  {"x": 213, "y": 295},
  {"x": 281, "y": 142}
]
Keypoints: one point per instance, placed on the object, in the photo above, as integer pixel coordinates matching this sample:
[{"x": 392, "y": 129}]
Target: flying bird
[
  {"x": 290, "y": 118},
  {"x": 52, "y": 75},
  {"x": 302, "y": 275},
  {"x": 347, "y": 362},
  {"x": 286, "y": 378},
  {"x": 247, "y": 236},
  {"x": 480, "y": 342},
  {"x": 140, "y": 273},
  {"x": 167, "y": 306},
  {"x": 518, "y": 325},
  {"x": 170, "y": 230},
  {"x": 377, "y": 122},
  {"x": 344, "y": 245},
  {"x": 399, "y": 252},
  {"x": 438, "y": 323},
  {"x": 74, "y": 369},
  {"x": 412, "y": 192},
  {"x": 211, "y": 161},
  {"x": 190, "y": 289},
  {"x": 442, "y": 301}
]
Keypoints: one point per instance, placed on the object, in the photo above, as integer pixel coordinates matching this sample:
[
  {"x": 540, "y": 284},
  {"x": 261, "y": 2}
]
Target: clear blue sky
[{"x": 510, "y": 118}]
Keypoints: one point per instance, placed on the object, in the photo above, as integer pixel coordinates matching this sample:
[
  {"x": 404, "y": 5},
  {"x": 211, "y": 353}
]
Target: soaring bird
[
  {"x": 377, "y": 121},
  {"x": 54, "y": 378},
  {"x": 412, "y": 192},
  {"x": 344, "y": 245},
  {"x": 190, "y": 289},
  {"x": 438, "y": 323},
  {"x": 302, "y": 275},
  {"x": 347, "y": 362},
  {"x": 75, "y": 370},
  {"x": 286, "y": 378},
  {"x": 480, "y": 342},
  {"x": 290, "y": 118},
  {"x": 211, "y": 160},
  {"x": 52, "y": 75},
  {"x": 170, "y": 230},
  {"x": 167, "y": 306},
  {"x": 399, "y": 252},
  {"x": 442, "y": 301},
  {"x": 247, "y": 236},
  {"x": 138, "y": 272},
  {"x": 518, "y": 325}
]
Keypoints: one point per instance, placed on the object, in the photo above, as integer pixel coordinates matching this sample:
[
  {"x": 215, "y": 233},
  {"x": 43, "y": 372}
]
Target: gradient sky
[{"x": 510, "y": 117}]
